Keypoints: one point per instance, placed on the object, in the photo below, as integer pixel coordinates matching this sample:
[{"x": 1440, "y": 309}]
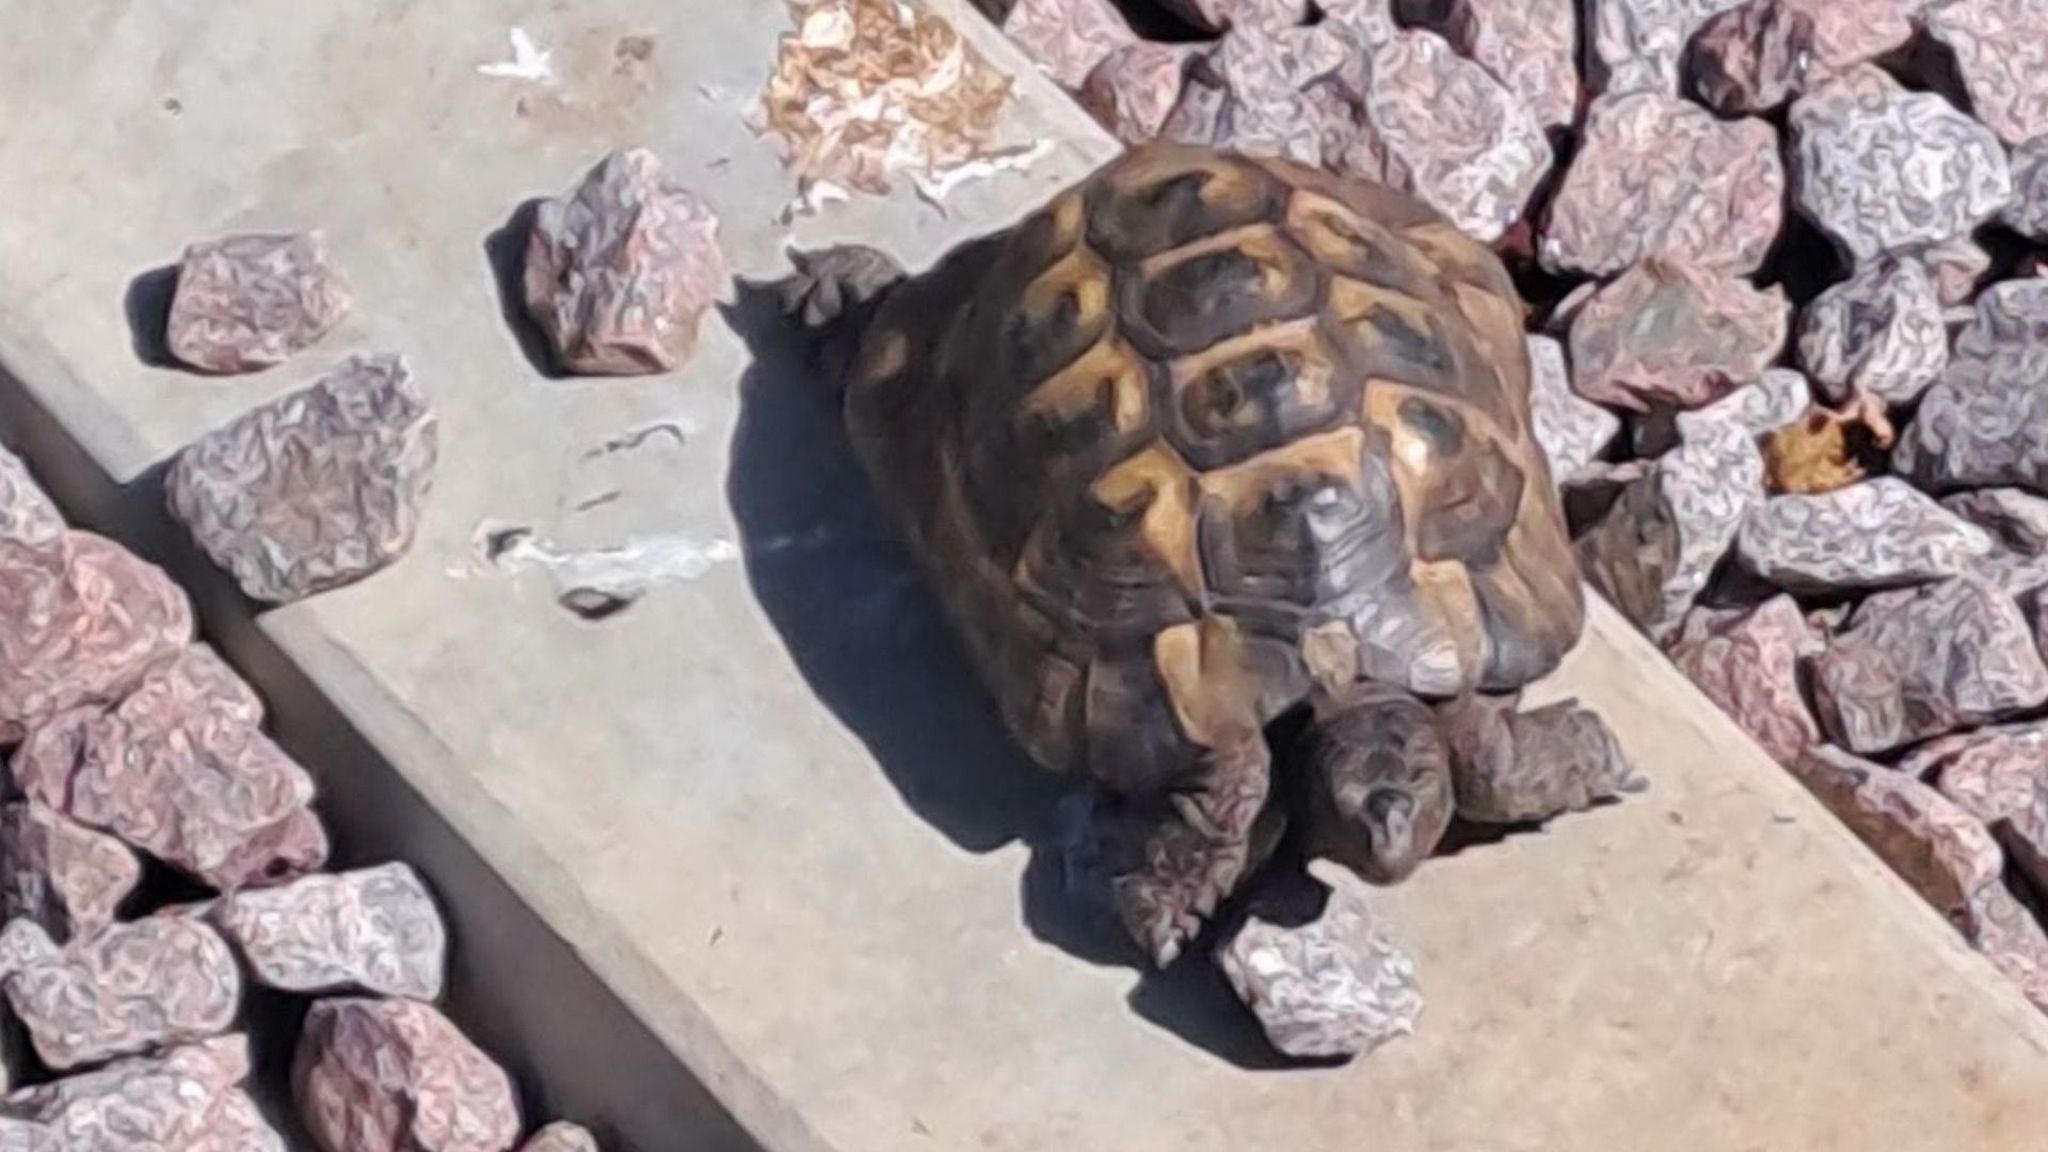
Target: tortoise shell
[{"x": 1208, "y": 431}]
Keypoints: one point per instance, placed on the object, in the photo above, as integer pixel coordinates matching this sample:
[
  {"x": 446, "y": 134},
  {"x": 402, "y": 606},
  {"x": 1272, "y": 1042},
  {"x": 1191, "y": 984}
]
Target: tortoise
[{"x": 1206, "y": 442}]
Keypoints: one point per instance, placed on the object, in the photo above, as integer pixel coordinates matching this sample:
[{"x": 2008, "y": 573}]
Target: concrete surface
[{"x": 764, "y": 806}]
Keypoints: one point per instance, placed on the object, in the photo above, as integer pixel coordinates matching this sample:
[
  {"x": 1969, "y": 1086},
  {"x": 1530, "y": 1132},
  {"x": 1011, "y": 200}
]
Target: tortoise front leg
[
  {"x": 1172, "y": 858},
  {"x": 1373, "y": 776},
  {"x": 1511, "y": 767}
]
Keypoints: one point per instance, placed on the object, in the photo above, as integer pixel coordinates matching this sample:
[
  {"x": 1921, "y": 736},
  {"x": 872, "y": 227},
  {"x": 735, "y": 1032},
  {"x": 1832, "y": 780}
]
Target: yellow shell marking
[{"x": 1156, "y": 481}]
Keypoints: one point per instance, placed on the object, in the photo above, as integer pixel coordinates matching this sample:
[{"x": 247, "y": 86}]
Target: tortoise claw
[
  {"x": 831, "y": 282},
  {"x": 1174, "y": 859}
]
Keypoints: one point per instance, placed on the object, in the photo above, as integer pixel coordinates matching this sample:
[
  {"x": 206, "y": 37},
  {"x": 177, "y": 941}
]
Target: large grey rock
[
  {"x": 1878, "y": 534},
  {"x": 620, "y": 271},
  {"x": 1985, "y": 422},
  {"x": 1660, "y": 176},
  {"x": 131, "y": 988},
  {"x": 1572, "y": 431},
  {"x": 316, "y": 489},
  {"x": 373, "y": 929},
  {"x": 1882, "y": 169},
  {"x": 1334, "y": 986},
  {"x": 2001, "y": 49},
  {"x": 1880, "y": 331},
  {"x": 1666, "y": 333},
  {"x": 397, "y": 1076},
  {"x": 1921, "y": 662},
  {"x": 1775, "y": 400},
  {"x": 1653, "y": 551},
  {"x": 248, "y": 302}
]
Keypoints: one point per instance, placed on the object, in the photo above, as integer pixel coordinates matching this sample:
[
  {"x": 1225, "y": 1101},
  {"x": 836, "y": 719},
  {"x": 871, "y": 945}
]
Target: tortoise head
[{"x": 1378, "y": 782}]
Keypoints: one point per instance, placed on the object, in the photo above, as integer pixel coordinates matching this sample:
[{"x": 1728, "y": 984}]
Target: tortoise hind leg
[{"x": 1172, "y": 858}]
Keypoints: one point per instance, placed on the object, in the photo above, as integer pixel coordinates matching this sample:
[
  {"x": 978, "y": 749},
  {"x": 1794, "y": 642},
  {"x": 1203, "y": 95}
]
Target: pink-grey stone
[
  {"x": 59, "y": 873},
  {"x": 1955, "y": 266},
  {"x": 1638, "y": 45},
  {"x": 2028, "y": 212},
  {"x": 1067, "y": 38},
  {"x": 1333, "y": 986},
  {"x": 1653, "y": 550},
  {"x": 1880, "y": 332},
  {"x": 1509, "y": 766},
  {"x": 316, "y": 489},
  {"x": 185, "y": 1100},
  {"x": 87, "y": 635},
  {"x": 397, "y": 1076},
  {"x": 1249, "y": 94},
  {"x": 29, "y": 521},
  {"x": 373, "y": 929},
  {"x": 1657, "y": 175},
  {"x": 2000, "y": 776},
  {"x": 1747, "y": 662},
  {"x": 1880, "y": 533},
  {"x": 1452, "y": 135},
  {"x": 180, "y": 770},
  {"x": 252, "y": 301},
  {"x": 620, "y": 271},
  {"x": 1921, "y": 662},
  {"x": 1882, "y": 169},
  {"x": 1572, "y": 431},
  {"x": 1134, "y": 89},
  {"x": 561, "y": 1136},
  {"x": 1667, "y": 333},
  {"x": 1984, "y": 423},
  {"x": 130, "y": 988},
  {"x": 1755, "y": 57},
  {"x": 1529, "y": 45},
  {"x": 2017, "y": 520},
  {"x": 2001, "y": 49},
  {"x": 1943, "y": 852}
]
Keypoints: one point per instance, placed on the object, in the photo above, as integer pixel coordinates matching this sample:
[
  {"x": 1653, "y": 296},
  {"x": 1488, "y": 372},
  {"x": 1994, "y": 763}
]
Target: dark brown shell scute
[
  {"x": 1187, "y": 300},
  {"x": 1159, "y": 201}
]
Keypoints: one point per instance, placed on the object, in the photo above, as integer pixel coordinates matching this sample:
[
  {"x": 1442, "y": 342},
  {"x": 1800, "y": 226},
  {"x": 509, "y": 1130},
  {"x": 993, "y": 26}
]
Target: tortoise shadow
[{"x": 860, "y": 623}]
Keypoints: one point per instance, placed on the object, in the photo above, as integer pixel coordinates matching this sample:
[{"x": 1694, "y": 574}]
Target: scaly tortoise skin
[{"x": 1204, "y": 439}]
